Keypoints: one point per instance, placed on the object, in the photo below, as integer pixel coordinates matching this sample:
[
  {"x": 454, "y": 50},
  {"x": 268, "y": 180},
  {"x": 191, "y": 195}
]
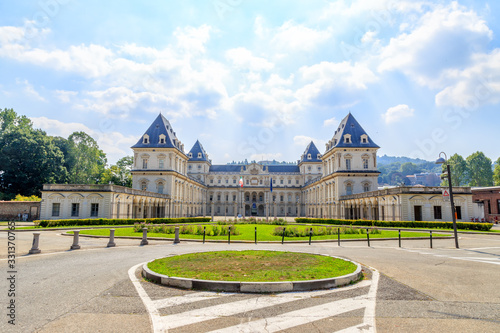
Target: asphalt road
[{"x": 90, "y": 290}]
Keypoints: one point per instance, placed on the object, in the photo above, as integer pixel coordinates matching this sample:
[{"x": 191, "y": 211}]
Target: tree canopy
[{"x": 479, "y": 170}]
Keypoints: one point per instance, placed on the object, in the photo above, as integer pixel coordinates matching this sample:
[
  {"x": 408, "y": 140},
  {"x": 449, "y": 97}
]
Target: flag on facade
[
  {"x": 271, "y": 184},
  {"x": 241, "y": 181}
]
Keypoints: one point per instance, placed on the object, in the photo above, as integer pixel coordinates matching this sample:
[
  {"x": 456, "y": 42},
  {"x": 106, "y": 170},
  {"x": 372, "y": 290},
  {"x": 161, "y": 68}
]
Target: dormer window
[
  {"x": 145, "y": 139},
  {"x": 162, "y": 139},
  {"x": 199, "y": 155},
  {"x": 364, "y": 138},
  {"x": 308, "y": 156},
  {"x": 347, "y": 138},
  {"x": 190, "y": 155},
  {"x": 335, "y": 142},
  {"x": 319, "y": 156}
]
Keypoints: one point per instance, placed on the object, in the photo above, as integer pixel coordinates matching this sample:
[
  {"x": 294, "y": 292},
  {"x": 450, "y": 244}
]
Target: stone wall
[{"x": 11, "y": 209}]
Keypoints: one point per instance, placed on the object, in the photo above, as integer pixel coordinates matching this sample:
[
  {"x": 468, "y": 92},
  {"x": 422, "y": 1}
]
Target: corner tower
[
  {"x": 157, "y": 155},
  {"x": 351, "y": 159},
  {"x": 198, "y": 163}
]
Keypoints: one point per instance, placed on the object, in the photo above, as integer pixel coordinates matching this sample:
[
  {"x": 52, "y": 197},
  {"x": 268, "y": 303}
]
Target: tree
[
  {"x": 119, "y": 174},
  {"x": 28, "y": 157},
  {"x": 479, "y": 169},
  {"x": 20, "y": 197},
  {"x": 409, "y": 168},
  {"x": 85, "y": 160},
  {"x": 496, "y": 173},
  {"x": 459, "y": 171}
]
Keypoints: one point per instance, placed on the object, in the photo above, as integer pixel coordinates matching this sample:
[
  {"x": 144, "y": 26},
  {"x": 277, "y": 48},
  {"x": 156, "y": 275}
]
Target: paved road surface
[{"x": 413, "y": 288}]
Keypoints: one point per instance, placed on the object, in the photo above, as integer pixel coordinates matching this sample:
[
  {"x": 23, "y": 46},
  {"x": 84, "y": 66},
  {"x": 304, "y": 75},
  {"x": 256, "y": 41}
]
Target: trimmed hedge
[
  {"x": 92, "y": 222},
  {"x": 400, "y": 224}
]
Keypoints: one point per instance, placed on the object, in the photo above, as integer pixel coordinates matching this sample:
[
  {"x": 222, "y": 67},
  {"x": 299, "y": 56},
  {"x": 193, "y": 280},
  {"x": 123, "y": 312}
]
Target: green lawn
[
  {"x": 252, "y": 266},
  {"x": 247, "y": 232}
]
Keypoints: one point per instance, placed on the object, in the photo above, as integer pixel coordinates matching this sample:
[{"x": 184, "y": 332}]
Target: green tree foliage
[
  {"x": 409, "y": 168},
  {"x": 28, "y": 157},
  {"x": 86, "y": 162},
  {"x": 119, "y": 174},
  {"x": 496, "y": 173},
  {"x": 479, "y": 170},
  {"x": 459, "y": 171}
]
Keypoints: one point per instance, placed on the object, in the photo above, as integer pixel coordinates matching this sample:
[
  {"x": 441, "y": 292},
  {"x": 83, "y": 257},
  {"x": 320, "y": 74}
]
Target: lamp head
[{"x": 440, "y": 161}]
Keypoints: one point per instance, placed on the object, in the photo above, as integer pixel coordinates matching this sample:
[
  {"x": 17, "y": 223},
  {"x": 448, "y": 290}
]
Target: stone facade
[{"x": 167, "y": 182}]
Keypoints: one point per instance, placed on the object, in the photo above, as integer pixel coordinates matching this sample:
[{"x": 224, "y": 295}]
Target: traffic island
[{"x": 252, "y": 271}]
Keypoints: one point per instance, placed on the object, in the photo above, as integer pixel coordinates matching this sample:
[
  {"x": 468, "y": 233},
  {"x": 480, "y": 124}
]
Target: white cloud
[
  {"x": 65, "y": 96},
  {"x": 477, "y": 85},
  {"x": 398, "y": 113},
  {"x": 303, "y": 141},
  {"x": 243, "y": 58},
  {"x": 330, "y": 122},
  {"x": 444, "y": 37},
  {"x": 30, "y": 91},
  {"x": 297, "y": 37},
  {"x": 327, "y": 76}
]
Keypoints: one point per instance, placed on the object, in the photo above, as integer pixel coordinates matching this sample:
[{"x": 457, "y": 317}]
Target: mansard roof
[
  {"x": 349, "y": 126},
  {"x": 161, "y": 126},
  {"x": 268, "y": 168},
  {"x": 311, "y": 149},
  {"x": 198, "y": 148}
]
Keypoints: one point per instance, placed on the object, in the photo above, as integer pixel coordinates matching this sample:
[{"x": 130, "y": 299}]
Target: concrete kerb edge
[{"x": 254, "y": 287}]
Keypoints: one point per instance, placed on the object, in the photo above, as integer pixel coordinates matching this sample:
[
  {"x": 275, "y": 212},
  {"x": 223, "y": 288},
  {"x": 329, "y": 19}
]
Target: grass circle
[{"x": 252, "y": 266}]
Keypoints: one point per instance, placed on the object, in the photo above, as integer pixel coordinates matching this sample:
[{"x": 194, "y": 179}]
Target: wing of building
[{"x": 168, "y": 182}]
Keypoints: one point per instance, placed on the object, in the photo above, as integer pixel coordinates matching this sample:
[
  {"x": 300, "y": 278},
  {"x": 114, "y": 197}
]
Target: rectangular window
[
  {"x": 144, "y": 163},
  {"x": 234, "y": 198},
  {"x": 234, "y": 181},
  {"x": 274, "y": 181},
  {"x": 281, "y": 181},
  {"x": 218, "y": 197},
  {"x": 348, "y": 164},
  {"x": 211, "y": 197},
  {"x": 161, "y": 164},
  {"x": 498, "y": 206},
  {"x": 75, "y": 209},
  {"x": 94, "y": 209},
  {"x": 458, "y": 211},
  {"x": 437, "y": 213},
  {"x": 297, "y": 181},
  {"x": 160, "y": 188},
  {"x": 227, "y": 181},
  {"x": 281, "y": 198},
  {"x": 56, "y": 209},
  {"x": 365, "y": 163},
  {"x": 289, "y": 181},
  {"x": 211, "y": 181},
  {"x": 218, "y": 181}
]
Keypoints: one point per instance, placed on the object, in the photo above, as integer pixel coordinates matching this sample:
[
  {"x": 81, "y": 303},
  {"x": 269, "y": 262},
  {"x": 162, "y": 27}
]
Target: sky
[{"x": 257, "y": 79}]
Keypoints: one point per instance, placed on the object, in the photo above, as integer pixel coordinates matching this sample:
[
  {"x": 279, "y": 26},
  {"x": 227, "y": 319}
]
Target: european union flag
[{"x": 271, "y": 184}]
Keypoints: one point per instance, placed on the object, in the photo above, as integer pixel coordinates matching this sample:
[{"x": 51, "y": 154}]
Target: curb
[{"x": 254, "y": 287}]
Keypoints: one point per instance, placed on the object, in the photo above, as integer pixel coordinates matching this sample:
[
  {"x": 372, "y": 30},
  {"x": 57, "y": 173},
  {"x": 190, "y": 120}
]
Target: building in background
[
  {"x": 489, "y": 199},
  {"x": 168, "y": 182}
]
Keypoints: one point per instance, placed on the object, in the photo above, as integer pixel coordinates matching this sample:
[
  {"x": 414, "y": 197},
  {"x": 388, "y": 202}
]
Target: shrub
[
  {"x": 92, "y": 222},
  {"x": 400, "y": 224}
]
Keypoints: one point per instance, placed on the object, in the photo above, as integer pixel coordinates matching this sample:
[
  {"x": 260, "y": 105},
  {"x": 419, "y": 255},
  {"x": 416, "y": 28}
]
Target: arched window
[
  {"x": 144, "y": 185},
  {"x": 160, "y": 188},
  {"x": 348, "y": 189}
]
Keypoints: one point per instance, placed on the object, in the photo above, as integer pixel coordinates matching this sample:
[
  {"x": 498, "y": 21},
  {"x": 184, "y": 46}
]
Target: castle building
[{"x": 168, "y": 182}]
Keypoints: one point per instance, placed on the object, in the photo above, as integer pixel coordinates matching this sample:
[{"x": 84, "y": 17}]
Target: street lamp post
[{"x": 444, "y": 160}]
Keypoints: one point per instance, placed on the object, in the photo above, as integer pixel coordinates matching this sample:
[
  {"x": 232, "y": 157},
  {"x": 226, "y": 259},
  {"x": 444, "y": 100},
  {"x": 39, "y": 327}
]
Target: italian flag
[{"x": 241, "y": 181}]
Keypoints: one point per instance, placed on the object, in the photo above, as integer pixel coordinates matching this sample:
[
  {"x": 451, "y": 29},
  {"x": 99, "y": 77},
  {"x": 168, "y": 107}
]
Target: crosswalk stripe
[
  {"x": 189, "y": 298},
  {"x": 296, "y": 318},
  {"x": 233, "y": 308}
]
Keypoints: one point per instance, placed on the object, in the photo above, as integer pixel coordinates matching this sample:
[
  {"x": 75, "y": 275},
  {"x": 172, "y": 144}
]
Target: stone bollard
[
  {"x": 76, "y": 236},
  {"x": 144, "y": 240},
  {"x": 177, "y": 240},
  {"x": 111, "y": 242},
  {"x": 34, "y": 247}
]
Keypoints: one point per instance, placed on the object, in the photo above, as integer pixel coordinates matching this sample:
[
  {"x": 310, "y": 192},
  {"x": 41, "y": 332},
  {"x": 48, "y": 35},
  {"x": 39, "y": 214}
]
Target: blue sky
[{"x": 257, "y": 79}]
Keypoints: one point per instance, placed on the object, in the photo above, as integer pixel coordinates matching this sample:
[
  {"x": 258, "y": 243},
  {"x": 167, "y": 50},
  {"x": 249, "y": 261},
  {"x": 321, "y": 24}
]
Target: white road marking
[
  {"x": 158, "y": 326},
  {"x": 485, "y": 260},
  {"x": 189, "y": 298},
  {"x": 299, "y": 317}
]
